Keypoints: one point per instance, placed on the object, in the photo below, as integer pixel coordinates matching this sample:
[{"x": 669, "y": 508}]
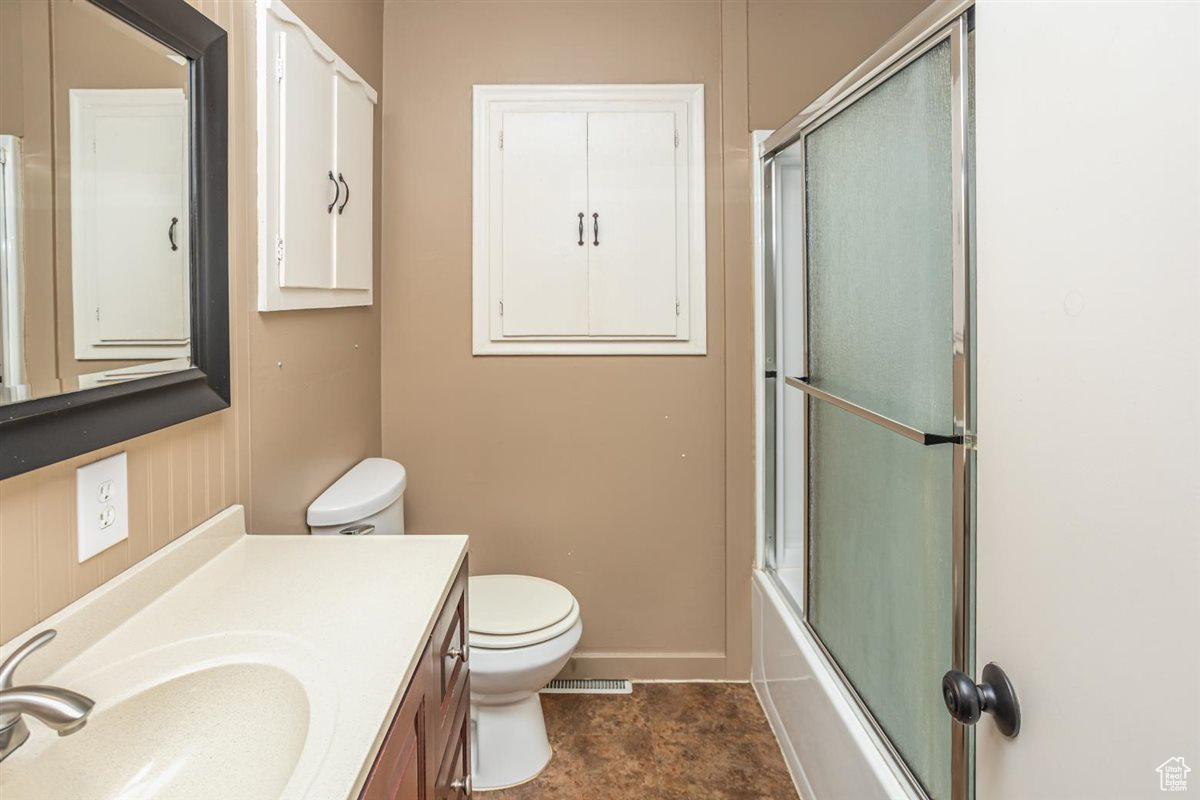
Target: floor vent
[{"x": 588, "y": 686}]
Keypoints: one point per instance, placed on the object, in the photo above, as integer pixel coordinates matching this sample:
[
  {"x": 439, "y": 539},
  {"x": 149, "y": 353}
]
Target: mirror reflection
[{"x": 94, "y": 255}]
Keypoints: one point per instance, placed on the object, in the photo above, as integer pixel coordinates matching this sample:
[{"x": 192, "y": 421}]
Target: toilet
[{"x": 522, "y": 630}]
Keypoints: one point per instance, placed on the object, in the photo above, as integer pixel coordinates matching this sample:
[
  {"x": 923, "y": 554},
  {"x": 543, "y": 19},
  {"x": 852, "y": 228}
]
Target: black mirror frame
[{"x": 46, "y": 430}]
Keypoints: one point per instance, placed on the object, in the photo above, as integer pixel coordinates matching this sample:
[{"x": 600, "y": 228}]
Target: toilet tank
[{"x": 371, "y": 493}]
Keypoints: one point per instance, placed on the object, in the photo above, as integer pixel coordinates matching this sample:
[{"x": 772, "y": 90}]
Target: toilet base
[{"x": 509, "y": 743}]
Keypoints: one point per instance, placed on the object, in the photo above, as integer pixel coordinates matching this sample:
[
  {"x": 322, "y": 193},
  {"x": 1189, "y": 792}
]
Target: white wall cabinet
[
  {"x": 315, "y": 170},
  {"x": 589, "y": 220}
]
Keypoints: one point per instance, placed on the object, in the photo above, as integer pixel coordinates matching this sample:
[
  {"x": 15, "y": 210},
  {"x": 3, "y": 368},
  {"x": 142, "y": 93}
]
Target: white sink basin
[
  {"x": 235, "y": 729},
  {"x": 233, "y": 667}
]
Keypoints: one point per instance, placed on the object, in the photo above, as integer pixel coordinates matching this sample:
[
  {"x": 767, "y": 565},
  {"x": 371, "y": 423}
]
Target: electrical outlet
[{"x": 102, "y": 505}]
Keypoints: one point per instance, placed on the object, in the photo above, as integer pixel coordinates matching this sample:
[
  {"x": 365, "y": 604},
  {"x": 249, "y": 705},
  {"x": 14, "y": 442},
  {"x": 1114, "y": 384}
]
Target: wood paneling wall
[{"x": 178, "y": 478}]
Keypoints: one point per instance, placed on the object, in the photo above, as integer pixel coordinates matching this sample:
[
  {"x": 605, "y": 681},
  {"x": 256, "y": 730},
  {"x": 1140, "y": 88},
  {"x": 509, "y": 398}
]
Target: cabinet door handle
[
  {"x": 337, "y": 192},
  {"x": 459, "y": 653},
  {"x": 581, "y": 229},
  {"x": 596, "y": 230},
  {"x": 171, "y": 233},
  {"x": 342, "y": 207}
]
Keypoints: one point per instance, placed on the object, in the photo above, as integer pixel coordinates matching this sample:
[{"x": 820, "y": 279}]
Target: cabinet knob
[
  {"x": 461, "y": 653},
  {"x": 462, "y": 784}
]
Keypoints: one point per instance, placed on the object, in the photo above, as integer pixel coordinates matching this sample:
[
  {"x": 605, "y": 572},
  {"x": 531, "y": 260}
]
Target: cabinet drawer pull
[
  {"x": 462, "y": 784},
  {"x": 337, "y": 192},
  {"x": 581, "y": 229},
  {"x": 461, "y": 653},
  {"x": 596, "y": 230}
]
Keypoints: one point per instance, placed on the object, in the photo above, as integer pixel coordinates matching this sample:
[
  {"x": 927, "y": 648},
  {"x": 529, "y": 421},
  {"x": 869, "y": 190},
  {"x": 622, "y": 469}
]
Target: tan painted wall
[
  {"x": 184, "y": 474},
  {"x": 799, "y": 48},
  {"x": 607, "y": 474},
  {"x": 318, "y": 414},
  {"x": 630, "y": 480}
]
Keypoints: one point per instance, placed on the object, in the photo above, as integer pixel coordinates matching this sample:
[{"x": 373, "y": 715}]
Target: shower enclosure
[{"x": 866, "y": 216}]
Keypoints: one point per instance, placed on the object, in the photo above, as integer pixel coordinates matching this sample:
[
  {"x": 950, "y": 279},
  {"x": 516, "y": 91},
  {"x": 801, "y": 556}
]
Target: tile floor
[{"x": 666, "y": 741}]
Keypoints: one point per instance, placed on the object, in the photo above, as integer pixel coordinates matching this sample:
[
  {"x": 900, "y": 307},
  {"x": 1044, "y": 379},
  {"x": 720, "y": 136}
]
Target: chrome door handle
[
  {"x": 967, "y": 701},
  {"x": 342, "y": 207},
  {"x": 596, "y": 230},
  {"x": 462, "y": 784},
  {"x": 337, "y": 192},
  {"x": 581, "y": 229},
  {"x": 171, "y": 233},
  {"x": 460, "y": 653}
]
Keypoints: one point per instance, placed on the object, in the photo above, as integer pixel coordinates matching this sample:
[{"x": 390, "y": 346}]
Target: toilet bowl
[{"x": 522, "y": 630}]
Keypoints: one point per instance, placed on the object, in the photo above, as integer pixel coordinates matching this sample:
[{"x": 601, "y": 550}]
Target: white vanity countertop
[{"x": 346, "y": 617}]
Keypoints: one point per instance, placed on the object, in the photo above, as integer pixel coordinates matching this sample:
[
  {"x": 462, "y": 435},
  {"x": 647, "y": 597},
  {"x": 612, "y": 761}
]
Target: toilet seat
[{"x": 510, "y": 611}]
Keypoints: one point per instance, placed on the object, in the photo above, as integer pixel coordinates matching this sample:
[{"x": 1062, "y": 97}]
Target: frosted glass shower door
[{"x": 874, "y": 378}]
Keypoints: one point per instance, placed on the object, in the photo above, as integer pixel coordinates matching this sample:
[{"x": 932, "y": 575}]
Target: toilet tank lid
[{"x": 370, "y": 486}]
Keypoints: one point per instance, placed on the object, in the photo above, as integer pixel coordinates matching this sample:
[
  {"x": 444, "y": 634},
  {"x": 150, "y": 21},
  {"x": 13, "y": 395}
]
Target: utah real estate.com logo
[{"x": 1172, "y": 775}]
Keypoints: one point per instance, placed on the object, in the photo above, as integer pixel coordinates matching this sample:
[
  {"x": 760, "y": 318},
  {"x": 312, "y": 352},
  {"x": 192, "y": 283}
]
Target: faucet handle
[{"x": 10, "y": 664}]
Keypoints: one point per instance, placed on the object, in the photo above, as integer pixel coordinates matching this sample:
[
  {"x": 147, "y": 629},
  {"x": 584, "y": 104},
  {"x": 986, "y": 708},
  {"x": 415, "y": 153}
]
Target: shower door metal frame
[{"x": 949, "y": 20}]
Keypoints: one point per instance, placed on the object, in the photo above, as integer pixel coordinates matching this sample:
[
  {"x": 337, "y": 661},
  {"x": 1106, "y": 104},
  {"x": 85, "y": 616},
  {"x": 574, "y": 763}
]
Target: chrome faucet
[{"x": 60, "y": 709}]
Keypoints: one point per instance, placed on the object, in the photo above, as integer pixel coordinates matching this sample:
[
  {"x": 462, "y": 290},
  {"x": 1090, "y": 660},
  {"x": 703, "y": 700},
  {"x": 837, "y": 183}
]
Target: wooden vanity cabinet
[{"x": 426, "y": 754}]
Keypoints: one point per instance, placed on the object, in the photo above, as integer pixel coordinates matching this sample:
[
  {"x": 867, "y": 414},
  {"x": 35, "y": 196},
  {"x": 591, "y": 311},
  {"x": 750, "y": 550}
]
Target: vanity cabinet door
[
  {"x": 427, "y": 751},
  {"x": 451, "y": 663},
  {"x": 402, "y": 768},
  {"x": 453, "y": 781}
]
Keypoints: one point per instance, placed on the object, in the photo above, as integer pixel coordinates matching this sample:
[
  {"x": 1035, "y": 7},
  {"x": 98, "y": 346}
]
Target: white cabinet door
[
  {"x": 129, "y": 231},
  {"x": 353, "y": 222},
  {"x": 543, "y": 188},
  {"x": 307, "y": 185},
  {"x": 632, "y": 223}
]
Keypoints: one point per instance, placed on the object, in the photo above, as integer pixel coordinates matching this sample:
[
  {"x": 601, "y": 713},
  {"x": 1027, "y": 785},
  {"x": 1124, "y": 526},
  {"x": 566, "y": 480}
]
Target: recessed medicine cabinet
[{"x": 589, "y": 220}]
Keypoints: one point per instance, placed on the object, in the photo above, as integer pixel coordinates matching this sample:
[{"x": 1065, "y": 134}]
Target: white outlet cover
[{"x": 92, "y": 512}]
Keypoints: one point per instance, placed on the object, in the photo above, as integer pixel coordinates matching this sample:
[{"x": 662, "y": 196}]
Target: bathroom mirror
[{"x": 113, "y": 223}]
